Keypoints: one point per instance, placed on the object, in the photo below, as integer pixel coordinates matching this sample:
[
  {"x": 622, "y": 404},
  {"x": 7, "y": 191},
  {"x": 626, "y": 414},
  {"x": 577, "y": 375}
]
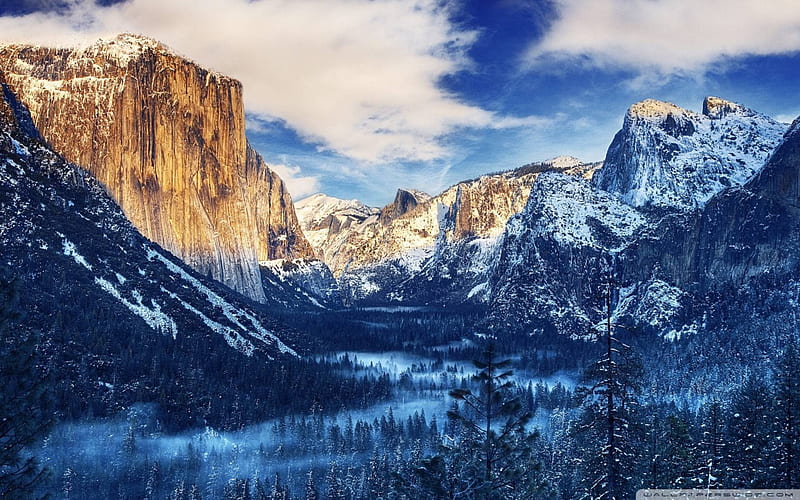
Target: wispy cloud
[
  {"x": 299, "y": 185},
  {"x": 357, "y": 77},
  {"x": 667, "y": 37}
]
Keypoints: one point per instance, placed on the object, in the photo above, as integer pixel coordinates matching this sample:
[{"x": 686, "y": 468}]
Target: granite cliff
[{"x": 167, "y": 139}]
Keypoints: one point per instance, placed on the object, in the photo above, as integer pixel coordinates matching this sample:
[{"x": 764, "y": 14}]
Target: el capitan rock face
[{"x": 167, "y": 139}]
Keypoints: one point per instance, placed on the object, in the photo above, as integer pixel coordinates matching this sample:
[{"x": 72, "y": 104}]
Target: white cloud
[
  {"x": 668, "y": 37},
  {"x": 299, "y": 186},
  {"x": 787, "y": 117},
  {"x": 358, "y": 77}
]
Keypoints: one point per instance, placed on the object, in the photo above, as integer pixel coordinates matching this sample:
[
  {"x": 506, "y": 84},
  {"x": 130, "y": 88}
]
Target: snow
[
  {"x": 233, "y": 314},
  {"x": 71, "y": 251},
  {"x": 653, "y": 109},
  {"x": 667, "y": 156},
  {"x": 568, "y": 209},
  {"x": 478, "y": 289},
  {"x": 232, "y": 337},
  {"x": 153, "y": 316},
  {"x": 20, "y": 148},
  {"x": 563, "y": 162}
]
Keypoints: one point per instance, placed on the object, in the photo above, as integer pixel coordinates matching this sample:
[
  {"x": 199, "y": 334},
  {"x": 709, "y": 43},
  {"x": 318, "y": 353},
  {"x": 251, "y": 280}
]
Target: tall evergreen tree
[
  {"x": 750, "y": 432},
  {"x": 311, "y": 491},
  {"x": 25, "y": 401},
  {"x": 494, "y": 456},
  {"x": 787, "y": 417},
  {"x": 712, "y": 443},
  {"x": 607, "y": 417}
]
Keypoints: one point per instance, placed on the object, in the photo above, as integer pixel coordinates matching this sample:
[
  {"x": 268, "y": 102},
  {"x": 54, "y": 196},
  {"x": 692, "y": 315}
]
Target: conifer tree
[
  {"x": 750, "y": 431},
  {"x": 494, "y": 455},
  {"x": 24, "y": 398},
  {"x": 311, "y": 491},
  {"x": 787, "y": 417},
  {"x": 606, "y": 424},
  {"x": 712, "y": 443}
]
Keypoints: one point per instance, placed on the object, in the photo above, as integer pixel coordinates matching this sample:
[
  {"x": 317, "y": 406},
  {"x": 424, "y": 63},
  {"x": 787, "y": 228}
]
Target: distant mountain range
[{"x": 685, "y": 205}]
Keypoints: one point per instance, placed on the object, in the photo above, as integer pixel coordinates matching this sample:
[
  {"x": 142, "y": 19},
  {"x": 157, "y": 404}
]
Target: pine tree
[
  {"x": 607, "y": 417},
  {"x": 494, "y": 453},
  {"x": 311, "y": 491},
  {"x": 25, "y": 402},
  {"x": 787, "y": 417},
  {"x": 711, "y": 446},
  {"x": 750, "y": 430}
]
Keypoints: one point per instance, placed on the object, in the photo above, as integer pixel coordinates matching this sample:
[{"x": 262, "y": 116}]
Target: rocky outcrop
[
  {"x": 666, "y": 157},
  {"x": 167, "y": 139},
  {"x": 405, "y": 200}
]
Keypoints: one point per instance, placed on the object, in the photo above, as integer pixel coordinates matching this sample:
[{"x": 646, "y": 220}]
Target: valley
[{"x": 176, "y": 326}]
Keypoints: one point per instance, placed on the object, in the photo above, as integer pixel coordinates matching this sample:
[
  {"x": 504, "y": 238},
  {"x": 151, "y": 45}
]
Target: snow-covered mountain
[
  {"x": 432, "y": 249},
  {"x": 326, "y": 221},
  {"x": 726, "y": 222},
  {"x": 552, "y": 253},
  {"x": 669, "y": 157}
]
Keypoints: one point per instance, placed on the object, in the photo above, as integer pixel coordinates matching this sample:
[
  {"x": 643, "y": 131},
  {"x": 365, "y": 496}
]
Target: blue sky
[{"x": 356, "y": 98}]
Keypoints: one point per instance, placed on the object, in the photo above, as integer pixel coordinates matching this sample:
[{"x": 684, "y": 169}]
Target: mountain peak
[
  {"x": 715, "y": 108},
  {"x": 653, "y": 108},
  {"x": 563, "y": 162},
  {"x": 672, "y": 119},
  {"x": 126, "y": 47},
  {"x": 666, "y": 156},
  {"x": 404, "y": 201}
]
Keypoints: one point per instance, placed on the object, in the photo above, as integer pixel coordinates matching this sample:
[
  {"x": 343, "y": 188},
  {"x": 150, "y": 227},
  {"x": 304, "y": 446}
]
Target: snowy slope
[
  {"x": 57, "y": 220},
  {"x": 552, "y": 254},
  {"x": 325, "y": 220},
  {"x": 669, "y": 157}
]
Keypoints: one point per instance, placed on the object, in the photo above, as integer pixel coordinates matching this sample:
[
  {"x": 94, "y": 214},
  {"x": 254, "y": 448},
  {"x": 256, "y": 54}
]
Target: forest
[{"x": 408, "y": 403}]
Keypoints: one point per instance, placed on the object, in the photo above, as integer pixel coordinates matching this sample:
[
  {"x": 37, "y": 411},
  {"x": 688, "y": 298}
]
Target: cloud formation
[
  {"x": 357, "y": 77},
  {"x": 299, "y": 185},
  {"x": 668, "y": 37}
]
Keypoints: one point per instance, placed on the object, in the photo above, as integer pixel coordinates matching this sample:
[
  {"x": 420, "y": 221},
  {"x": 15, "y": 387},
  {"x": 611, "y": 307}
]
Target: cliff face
[
  {"x": 167, "y": 139},
  {"x": 671, "y": 158}
]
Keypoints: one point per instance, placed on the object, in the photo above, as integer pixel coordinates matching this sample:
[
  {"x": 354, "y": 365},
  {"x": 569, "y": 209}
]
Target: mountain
[
  {"x": 325, "y": 220},
  {"x": 687, "y": 249},
  {"x": 553, "y": 253},
  {"x": 405, "y": 201},
  {"x": 122, "y": 319},
  {"x": 167, "y": 139},
  {"x": 425, "y": 249},
  {"x": 671, "y": 158}
]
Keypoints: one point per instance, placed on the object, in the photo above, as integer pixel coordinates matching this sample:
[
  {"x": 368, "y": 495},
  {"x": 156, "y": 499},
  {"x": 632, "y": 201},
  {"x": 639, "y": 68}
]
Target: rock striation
[{"x": 167, "y": 139}]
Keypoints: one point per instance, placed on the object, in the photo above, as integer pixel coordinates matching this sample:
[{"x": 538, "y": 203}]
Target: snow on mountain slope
[
  {"x": 669, "y": 157},
  {"x": 569, "y": 210},
  {"x": 552, "y": 254},
  {"x": 324, "y": 219},
  {"x": 58, "y": 222}
]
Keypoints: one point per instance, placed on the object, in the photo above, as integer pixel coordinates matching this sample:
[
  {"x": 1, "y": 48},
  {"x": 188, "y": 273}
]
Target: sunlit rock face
[
  {"x": 419, "y": 248},
  {"x": 167, "y": 139}
]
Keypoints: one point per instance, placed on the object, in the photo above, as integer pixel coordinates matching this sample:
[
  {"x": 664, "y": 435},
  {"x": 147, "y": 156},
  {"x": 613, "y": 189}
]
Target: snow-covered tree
[
  {"x": 606, "y": 424},
  {"x": 787, "y": 416}
]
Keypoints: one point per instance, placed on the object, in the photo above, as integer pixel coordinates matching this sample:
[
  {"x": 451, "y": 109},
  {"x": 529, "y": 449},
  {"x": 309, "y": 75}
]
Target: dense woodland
[{"x": 333, "y": 427}]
